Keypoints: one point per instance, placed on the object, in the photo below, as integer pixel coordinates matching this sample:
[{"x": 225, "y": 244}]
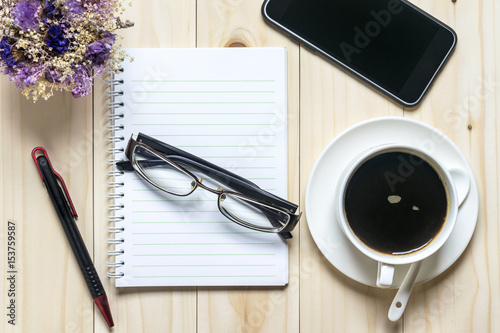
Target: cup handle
[
  {"x": 385, "y": 275},
  {"x": 462, "y": 183}
]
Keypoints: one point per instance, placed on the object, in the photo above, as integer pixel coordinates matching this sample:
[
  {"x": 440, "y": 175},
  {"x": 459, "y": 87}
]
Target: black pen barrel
[{"x": 70, "y": 228}]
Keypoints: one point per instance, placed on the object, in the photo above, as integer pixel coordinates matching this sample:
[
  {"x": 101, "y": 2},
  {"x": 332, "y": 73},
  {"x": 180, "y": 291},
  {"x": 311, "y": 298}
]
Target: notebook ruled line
[
  {"x": 215, "y": 135},
  {"x": 173, "y": 211},
  {"x": 202, "y": 254},
  {"x": 204, "y": 124},
  {"x": 204, "y": 276},
  {"x": 270, "y": 265},
  {"x": 205, "y": 81},
  {"x": 196, "y": 244},
  {"x": 200, "y": 113},
  {"x": 187, "y": 103},
  {"x": 158, "y": 190},
  {"x": 204, "y": 92},
  {"x": 196, "y": 233},
  {"x": 171, "y": 200},
  {"x": 183, "y": 222}
]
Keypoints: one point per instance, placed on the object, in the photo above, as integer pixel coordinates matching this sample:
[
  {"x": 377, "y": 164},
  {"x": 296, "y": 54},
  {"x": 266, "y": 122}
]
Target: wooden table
[{"x": 50, "y": 295}]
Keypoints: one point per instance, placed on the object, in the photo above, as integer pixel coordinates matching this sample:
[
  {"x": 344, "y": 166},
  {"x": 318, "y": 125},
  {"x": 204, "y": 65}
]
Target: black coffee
[{"x": 395, "y": 203}]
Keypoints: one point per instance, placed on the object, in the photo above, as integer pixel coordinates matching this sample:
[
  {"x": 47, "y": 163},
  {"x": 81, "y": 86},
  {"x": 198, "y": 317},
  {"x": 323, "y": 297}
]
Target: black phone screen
[{"x": 387, "y": 42}]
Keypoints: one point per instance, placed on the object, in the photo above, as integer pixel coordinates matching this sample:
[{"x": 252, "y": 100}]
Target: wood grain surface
[{"x": 323, "y": 101}]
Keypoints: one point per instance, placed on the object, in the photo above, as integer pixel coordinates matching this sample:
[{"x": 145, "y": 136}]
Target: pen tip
[{"x": 103, "y": 306}]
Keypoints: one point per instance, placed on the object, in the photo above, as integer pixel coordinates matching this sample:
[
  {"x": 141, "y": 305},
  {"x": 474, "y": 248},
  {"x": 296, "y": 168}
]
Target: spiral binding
[{"x": 114, "y": 219}]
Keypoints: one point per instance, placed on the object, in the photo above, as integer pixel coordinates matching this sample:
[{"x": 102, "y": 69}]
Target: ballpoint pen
[{"x": 67, "y": 215}]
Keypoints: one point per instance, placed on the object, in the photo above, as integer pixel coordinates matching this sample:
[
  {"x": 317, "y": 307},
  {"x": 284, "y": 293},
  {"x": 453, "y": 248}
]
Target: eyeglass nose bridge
[{"x": 200, "y": 184}]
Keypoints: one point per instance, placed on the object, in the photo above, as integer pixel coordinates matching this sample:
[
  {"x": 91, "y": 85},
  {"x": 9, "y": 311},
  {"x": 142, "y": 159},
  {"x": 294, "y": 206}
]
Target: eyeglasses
[{"x": 174, "y": 171}]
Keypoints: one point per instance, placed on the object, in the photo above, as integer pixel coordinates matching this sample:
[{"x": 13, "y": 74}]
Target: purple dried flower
[
  {"x": 97, "y": 53},
  {"x": 82, "y": 79},
  {"x": 6, "y": 53},
  {"x": 26, "y": 14},
  {"x": 91, "y": 2},
  {"x": 21, "y": 76},
  {"x": 56, "y": 40},
  {"x": 100, "y": 50},
  {"x": 52, "y": 76},
  {"x": 51, "y": 11},
  {"x": 27, "y": 76},
  {"x": 109, "y": 38},
  {"x": 74, "y": 7}
]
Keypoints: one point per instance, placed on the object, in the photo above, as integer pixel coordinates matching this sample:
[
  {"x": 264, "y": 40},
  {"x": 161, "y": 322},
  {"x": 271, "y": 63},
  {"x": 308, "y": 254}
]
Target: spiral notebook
[{"x": 227, "y": 106}]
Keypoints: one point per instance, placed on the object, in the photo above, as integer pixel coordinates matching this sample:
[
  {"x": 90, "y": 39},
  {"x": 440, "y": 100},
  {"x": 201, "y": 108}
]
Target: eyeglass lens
[
  {"x": 239, "y": 208},
  {"x": 163, "y": 174}
]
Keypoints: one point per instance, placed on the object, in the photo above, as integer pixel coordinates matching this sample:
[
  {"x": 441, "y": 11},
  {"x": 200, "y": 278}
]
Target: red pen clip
[{"x": 61, "y": 181}]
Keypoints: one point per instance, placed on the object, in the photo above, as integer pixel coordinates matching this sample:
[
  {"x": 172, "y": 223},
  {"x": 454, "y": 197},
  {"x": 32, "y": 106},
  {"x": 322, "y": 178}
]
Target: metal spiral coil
[
  {"x": 116, "y": 184},
  {"x": 115, "y": 253},
  {"x": 113, "y": 162},
  {"x": 115, "y": 173},
  {"x": 115, "y": 128},
  {"x": 115, "y": 105},
  {"x": 115, "y": 140},
  {"x": 115, "y": 116},
  {"x": 114, "y": 81},
  {"x": 114, "y": 93},
  {"x": 115, "y": 275},
  {"x": 115, "y": 150},
  {"x": 114, "y": 264},
  {"x": 115, "y": 241},
  {"x": 116, "y": 230},
  {"x": 115, "y": 219},
  {"x": 116, "y": 195},
  {"x": 116, "y": 207}
]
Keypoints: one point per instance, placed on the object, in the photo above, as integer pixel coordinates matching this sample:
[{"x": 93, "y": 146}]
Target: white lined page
[{"x": 227, "y": 106}]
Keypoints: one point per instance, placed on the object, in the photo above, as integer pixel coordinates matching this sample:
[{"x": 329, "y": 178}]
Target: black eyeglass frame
[{"x": 235, "y": 182}]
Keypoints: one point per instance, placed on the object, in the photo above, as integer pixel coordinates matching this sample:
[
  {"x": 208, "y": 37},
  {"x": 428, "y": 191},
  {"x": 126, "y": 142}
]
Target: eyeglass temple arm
[
  {"x": 171, "y": 150},
  {"x": 228, "y": 178}
]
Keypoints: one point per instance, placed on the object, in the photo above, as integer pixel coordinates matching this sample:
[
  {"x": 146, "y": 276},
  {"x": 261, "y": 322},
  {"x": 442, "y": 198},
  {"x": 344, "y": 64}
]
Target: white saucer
[{"x": 319, "y": 200}]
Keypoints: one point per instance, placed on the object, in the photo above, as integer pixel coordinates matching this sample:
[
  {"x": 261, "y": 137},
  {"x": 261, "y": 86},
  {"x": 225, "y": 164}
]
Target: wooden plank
[
  {"x": 158, "y": 23},
  {"x": 251, "y": 309},
  {"x": 464, "y": 104},
  {"x": 50, "y": 293},
  {"x": 332, "y": 101}
]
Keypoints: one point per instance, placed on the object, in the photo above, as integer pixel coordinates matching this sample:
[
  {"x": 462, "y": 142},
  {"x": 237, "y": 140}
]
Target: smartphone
[{"x": 390, "y": 44}]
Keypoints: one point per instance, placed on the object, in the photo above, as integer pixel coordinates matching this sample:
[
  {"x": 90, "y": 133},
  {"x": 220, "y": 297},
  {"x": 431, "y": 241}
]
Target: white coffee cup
[{"x": 456, "y": 183}]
